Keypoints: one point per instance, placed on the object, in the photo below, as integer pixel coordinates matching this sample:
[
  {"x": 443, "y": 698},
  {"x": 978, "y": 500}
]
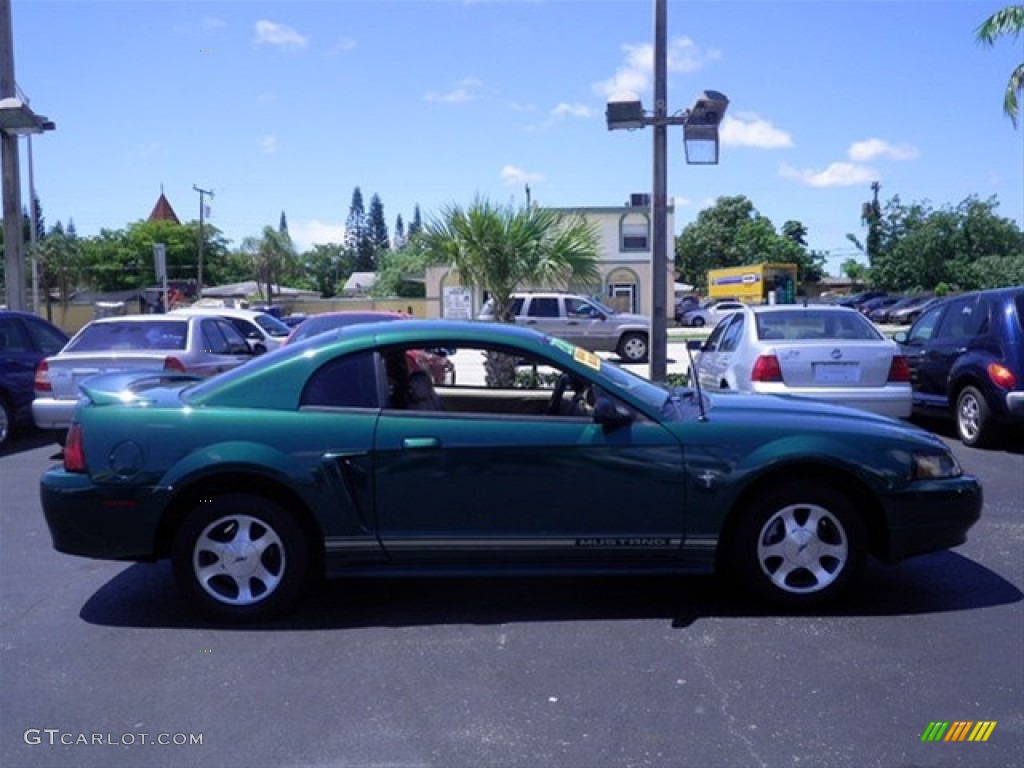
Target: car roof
[
  {"x": 223, "y": 311},
  {"x": 141, "y": 318},
  {"x": 768, "y": 308}
]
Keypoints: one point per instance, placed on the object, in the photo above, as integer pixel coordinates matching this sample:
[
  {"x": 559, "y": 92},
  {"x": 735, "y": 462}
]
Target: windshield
[{"x": 272, "y": 325}]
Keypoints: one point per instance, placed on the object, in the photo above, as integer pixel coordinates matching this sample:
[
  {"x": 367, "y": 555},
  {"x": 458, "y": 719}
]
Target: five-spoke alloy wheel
[
  {"x": 800, "y": 545},
  {"x": 240, "y": 556}
]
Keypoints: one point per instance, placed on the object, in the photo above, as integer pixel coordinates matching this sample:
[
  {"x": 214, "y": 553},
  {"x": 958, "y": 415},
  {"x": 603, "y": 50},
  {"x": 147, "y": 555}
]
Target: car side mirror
[
  {"x": 695, "y": 345},
  {"x": 611, "y": 414},
  {"x": 901, "y": 337}
]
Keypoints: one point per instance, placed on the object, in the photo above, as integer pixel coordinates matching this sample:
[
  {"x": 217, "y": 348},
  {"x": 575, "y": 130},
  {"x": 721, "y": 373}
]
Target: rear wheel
[
  {"x": 974, "y": 423},
  {"x": 799, "y": 545},
  {"x": 633, "y": 348},
  {"x": 240, "y": 557},
  {"x": 697, "y": 322}
]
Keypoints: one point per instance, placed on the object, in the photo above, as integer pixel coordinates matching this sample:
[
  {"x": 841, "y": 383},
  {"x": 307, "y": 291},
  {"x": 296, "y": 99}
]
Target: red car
[{"x": 434, "y": 362}]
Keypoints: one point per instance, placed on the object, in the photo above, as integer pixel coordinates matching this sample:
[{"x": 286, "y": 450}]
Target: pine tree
[
  {"x": 377, "y": 229},
  {"x": 282, "y": 227},
  {"x": 416, "y": 225},
  {"x": 400, "y": 239},
  {"x": 357, "y": 242}
]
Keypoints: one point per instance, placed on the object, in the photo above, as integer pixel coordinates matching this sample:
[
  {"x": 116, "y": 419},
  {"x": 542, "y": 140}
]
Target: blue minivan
[
  {"x": 25, "y": 339},
  {"x": 966, "y": 358}
]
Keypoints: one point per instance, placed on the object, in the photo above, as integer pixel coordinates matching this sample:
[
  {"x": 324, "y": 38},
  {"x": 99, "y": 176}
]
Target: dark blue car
[
  {"x": 25, "y": 339},
  {"x": 966, "y": 358}
]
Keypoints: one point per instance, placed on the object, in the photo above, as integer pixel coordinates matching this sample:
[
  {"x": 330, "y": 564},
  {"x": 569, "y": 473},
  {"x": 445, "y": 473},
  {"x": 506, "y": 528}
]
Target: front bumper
[
  {"x": 932, "y": 515},
  {"x": 94, "y": 521}
]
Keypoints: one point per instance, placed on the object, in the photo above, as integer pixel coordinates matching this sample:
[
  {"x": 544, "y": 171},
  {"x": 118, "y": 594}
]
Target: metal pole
[
  {"x": 202, "y": 218},
  {"x": 659, "y": 201},
  {"x": 13, "y": 243},
  {"x": 33, "y": 236}
]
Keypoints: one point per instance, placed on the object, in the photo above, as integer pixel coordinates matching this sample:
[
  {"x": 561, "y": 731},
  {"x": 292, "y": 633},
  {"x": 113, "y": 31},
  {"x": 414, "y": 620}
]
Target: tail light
[
  {"x": 74, "y": 452},
  {"x": 173, "y": 364},
  {"x": 42, "y": 379},
  {"x": 1001, "y": 376},
  {"x": 899, "y": 371},
  {"x": 766, "y": 368}
]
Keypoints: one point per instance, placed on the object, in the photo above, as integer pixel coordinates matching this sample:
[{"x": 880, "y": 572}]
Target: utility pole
[{"x": 202, "y": 218}]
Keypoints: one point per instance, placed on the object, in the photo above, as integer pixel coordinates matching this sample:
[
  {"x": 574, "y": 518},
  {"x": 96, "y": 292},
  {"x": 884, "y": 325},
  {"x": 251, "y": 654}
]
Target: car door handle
[{"x": 421, "y": 442}]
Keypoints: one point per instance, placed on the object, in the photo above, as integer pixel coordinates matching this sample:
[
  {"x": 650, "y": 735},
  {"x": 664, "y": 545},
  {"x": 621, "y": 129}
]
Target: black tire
[
  {"x": 974, "y": 423},
  {"x": 6, "y": 420},
  {"x": 697, "y": 322},
  {"x": 800, "y": 545},
  {"x": 240, "y": 557},
  {"x": 633, "y": 347}
]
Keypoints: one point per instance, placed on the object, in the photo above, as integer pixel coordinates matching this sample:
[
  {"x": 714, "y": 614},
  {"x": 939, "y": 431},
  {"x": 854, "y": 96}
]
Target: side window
[
  {"x": 45, "y": 338},
  {"x": 12, "y": 337},
  {"x": 924, "y": 329},
  {"x": 517, "y": 306},
  {"x": 244, "y": 327},
  {"x": 579, "y": 308},
  {"x": 963, "y": 319},
  {"x": 543, "y": 306},
  {"x": 345, "y": 382},
  {"x": 214, "y": 341},
  {"x": 711, "y": 345},
  {"x": 732, "y": 335}
]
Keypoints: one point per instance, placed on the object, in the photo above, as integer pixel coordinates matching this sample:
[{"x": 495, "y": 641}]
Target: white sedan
[{"x": 824, "y": 352}]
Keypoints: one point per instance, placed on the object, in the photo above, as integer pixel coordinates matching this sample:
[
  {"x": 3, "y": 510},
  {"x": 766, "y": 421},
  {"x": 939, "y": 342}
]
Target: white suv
[{"x": 583, "y": 321}]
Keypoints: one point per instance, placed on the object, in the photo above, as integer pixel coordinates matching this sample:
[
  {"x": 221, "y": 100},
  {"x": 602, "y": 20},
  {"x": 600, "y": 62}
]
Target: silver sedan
[{"x": 824, "y": 352}]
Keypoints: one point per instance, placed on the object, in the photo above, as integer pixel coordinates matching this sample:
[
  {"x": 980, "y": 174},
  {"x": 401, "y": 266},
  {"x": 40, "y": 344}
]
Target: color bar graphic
[{"x": 958, "y": 730}]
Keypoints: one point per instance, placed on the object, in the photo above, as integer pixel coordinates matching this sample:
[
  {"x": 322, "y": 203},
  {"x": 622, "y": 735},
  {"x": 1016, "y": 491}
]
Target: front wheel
[
  {"x": 240, "y": 557},
  {"x": 799, "y": 545},
  {"x": 633, "y": 348}
]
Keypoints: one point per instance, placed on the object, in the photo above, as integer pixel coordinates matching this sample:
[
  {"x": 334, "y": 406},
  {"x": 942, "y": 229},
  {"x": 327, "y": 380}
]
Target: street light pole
[
  {"x": 659, "y": 241},
  {"x": 13, "y": 244},
  {"x": 700, "y": 139}
]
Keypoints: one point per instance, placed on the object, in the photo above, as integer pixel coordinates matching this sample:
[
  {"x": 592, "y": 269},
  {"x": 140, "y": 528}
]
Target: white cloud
[
  {"x": 749, "y": 130},
  {"x": 268, "y": 144},
  {"x": 863, "y": 151},
  {"x": 309, "y": 233},
  {"x": 467, "y": 90},
  {"x": 636, "y": 74},
  {"x": 565, "y": 110},
  {"x": 344, "y": 44},
  {"x": 513, "y": 176},
  {"x": 836, "y": 175},
  {"x": 278, "y": 35}
]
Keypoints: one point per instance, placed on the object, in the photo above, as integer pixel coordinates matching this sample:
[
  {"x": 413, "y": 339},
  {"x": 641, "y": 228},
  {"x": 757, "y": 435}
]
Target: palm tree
[
  {"x": 501, "y": 249},
  {"x": 273, "y": 255},
  {"x": 1006, "y": 22}
]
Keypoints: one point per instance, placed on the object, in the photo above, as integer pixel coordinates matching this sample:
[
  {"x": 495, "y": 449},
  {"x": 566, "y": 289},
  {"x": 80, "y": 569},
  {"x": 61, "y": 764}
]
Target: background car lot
[{"x": 582, "y": 672}]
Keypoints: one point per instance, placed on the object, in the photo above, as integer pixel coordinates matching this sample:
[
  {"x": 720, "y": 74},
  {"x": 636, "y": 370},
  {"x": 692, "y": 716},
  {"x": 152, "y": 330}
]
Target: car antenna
[{"x": 695, "y": 380}]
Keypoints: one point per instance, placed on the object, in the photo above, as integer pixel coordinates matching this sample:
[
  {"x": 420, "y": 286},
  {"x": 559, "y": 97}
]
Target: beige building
[{"x": 625, "y": 241}]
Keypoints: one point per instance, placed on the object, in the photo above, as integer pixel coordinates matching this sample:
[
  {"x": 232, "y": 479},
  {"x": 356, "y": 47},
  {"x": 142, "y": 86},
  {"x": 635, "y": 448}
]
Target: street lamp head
[
  {"x": 700, "y": 131},
  {"x": 18, "y": 119},
  {"x": 625, "y": 115}
]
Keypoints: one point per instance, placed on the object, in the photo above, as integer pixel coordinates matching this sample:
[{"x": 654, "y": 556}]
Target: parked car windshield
[
  {"x": 115, "y": 336},
  {"x": 272, "y": 325}
]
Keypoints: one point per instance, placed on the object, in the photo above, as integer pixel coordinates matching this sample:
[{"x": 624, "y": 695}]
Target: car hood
[
  {"x": 806, "y": 414},
  {"x": 629, "y": 317}
]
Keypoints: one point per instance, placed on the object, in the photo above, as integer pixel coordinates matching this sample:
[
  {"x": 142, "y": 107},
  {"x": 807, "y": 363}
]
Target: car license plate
[{"x": 836, "y": 373}]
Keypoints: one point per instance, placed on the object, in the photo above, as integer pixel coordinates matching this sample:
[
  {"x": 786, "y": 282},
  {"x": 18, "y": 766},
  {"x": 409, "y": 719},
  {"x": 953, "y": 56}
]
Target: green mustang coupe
[{"x": 338, "y": 456}]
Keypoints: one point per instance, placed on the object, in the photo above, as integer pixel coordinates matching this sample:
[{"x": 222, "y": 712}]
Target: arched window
[{"x": 634, "y": 232}]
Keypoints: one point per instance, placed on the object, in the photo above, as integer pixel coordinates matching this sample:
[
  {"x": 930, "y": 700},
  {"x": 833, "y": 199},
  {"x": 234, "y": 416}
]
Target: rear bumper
[
  {"x": 87, "y": 520},
  {"x": 894, "y": 402},
  {"x": 49, "y": 413},
  {"x": 935, "y": 515},
  {"x": 1015, "y": 405}
]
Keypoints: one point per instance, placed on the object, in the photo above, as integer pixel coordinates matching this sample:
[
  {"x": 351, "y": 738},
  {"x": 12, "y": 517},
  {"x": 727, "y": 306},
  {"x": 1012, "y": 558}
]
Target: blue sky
[{"x": 288, "y": 106}]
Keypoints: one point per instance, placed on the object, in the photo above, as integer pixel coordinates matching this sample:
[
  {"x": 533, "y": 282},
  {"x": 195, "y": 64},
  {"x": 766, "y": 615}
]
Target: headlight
[{"x": 935, "y": 465}]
